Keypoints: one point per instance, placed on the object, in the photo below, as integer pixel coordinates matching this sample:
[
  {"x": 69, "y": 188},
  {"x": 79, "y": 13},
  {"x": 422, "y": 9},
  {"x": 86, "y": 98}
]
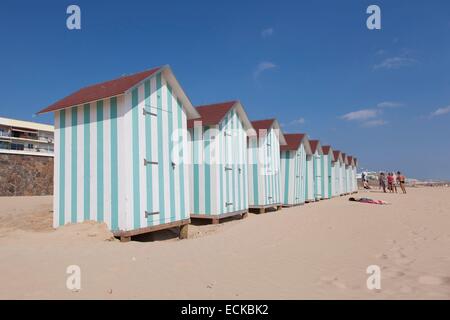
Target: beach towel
[{"x": 367, "y": 200}]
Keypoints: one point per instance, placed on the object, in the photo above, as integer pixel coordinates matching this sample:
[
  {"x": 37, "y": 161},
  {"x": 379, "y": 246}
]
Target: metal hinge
[
  {"x": 146, "y": 162},
  {"x": 145, "y": 112},
  {"x": 228, "y": 168},
  {"x": 269, "y": 197},
  {"x": 228, "y": 204},
  {"x": 147, "y": 214},
  {"x": 239, "y": 170}
]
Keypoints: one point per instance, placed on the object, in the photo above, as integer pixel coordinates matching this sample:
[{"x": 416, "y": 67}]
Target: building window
[{"x": 15, "y": 146}]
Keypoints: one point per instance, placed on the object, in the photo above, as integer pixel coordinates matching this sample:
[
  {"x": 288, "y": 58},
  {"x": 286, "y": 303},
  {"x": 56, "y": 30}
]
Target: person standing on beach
[
  {"x": 401, "y": 179},
  {"x": 382, "y": 181},
  {"x": 390, "y": 181},
  {"x": 394, "y": 183}
]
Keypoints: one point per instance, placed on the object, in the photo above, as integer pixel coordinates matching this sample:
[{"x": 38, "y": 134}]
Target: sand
[{"x": 316, "y": 251}]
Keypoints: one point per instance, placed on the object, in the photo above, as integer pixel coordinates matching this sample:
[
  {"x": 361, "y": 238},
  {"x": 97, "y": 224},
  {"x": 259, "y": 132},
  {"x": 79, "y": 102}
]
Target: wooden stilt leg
[
  {"x": 262, "y": 210},
  {"x": 125, "y": 239},
  {"x": 244, "y": 215},
  {"x": 184, "y": 231},
  {"x": 279, "y": 208},
  {"x": 215, "y": 221}
]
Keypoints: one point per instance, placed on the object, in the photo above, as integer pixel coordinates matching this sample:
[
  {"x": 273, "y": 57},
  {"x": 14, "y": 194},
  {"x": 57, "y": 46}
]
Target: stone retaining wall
[{"x": 25, "y": 175}]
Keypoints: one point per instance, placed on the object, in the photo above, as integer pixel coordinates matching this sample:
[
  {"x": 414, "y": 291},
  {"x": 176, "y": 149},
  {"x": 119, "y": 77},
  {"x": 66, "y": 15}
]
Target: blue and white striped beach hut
[
  {"x": 219, "y": 161},
  {"x": 345, "y": 174},
  {"x": 120, "y": 154},
  {"x": 355, "y": 179},
  {"x": 352, "y": 174},
  {"x": 317, "y": 152},
  {"x": 264, "y": 165},
  {"x": 336, "y": 169},
  {"x": 327, "y": 172},
  {"x": 293, "y": 169}
]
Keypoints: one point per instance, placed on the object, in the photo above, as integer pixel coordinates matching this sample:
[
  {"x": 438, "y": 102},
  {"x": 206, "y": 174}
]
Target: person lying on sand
[{"x": 367, "y": 200}]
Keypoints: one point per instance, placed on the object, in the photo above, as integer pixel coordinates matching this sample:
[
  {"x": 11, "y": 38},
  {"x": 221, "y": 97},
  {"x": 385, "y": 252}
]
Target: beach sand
[{"x": 316, "y": 251}]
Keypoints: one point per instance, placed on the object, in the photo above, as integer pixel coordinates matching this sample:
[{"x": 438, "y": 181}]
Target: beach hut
[
  {"x": 293, "y": 169},
  {"x": 264, "y": 177},
  {"x": 352, "y": 174},
  {"x": 345, "y": 175},
  {"x": 219, "y": 186},
  {"x": 120, "y": 154},
  {"x": 355, "y": 179},
  {"x": 309, "y": 177},
  {"x": 327, "y": 172},
  {"x": 336, "y": 171},
  {"x": 317, "y": 152}
]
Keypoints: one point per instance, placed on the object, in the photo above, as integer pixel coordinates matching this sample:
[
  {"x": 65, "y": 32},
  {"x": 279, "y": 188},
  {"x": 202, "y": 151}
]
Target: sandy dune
[{"x": 318, "y": 250}]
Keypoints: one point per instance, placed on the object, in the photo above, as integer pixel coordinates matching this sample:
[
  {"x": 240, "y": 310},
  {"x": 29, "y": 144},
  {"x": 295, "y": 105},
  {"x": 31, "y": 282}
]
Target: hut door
[{"x": 151, "y": 211}]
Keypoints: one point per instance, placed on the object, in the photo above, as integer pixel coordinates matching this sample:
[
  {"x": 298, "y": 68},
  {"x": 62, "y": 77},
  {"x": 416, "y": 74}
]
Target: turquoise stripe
[
  {"x": 114, "y": 166},
  {"x": 171, "y": 168},
  {"x": 74, "y": 166},
  {"x": 87, "y": 161},
  {"x": 285, "y": 157},
  {"x": 161, "y": 164},
  {"x": 207, "y": 166},
  {"x": 307, "y": 181},
  {"x": 100, "y": 164},
  {"x": 183, "y": 212},
  {"x": 136, "y": 162},
  {"x": 148, "y": 154},
  {"x": 322, "y": 169},
  {"x": 62, "y": 166}
]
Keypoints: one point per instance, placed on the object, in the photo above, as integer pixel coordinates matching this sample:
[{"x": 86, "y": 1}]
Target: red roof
[
  {"x": 293, "y": 141},
  {"x": 336, "y": 154},
  {"x": 350, "y": 159},
  {"x": 100, "y": 91},
  {"x": 261, "y": 126},
  {"x": 212, "y": 114},
  {"x": 314, "y": 144},
  {"x": 326, "y": 149}
]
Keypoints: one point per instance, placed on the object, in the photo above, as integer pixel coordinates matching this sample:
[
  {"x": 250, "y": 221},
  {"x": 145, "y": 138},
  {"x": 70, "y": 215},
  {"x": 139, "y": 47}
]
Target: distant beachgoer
[
  {"x": 401, "y": 180},
  {"x": 367, "y": 200},
  {"x": 390, "y": 181},
  {"x": 394, "y": 183},
  {"x": 365, "y": 180},
  {"x": 382, "y": 181}
]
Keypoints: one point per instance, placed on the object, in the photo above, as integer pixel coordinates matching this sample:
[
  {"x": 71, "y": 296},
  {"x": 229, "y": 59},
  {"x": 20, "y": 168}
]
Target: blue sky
[{"x": 382, "y": 95}]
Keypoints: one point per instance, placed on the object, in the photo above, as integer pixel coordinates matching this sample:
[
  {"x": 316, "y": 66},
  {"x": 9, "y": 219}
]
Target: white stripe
[
  {"x": 142, "y": 155},
  {"x": 80, "y": 163},
  {"x": 107, "y": 161},
  {"x": 68, "y": 167},
  {"x": 93, "y": 162}
]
